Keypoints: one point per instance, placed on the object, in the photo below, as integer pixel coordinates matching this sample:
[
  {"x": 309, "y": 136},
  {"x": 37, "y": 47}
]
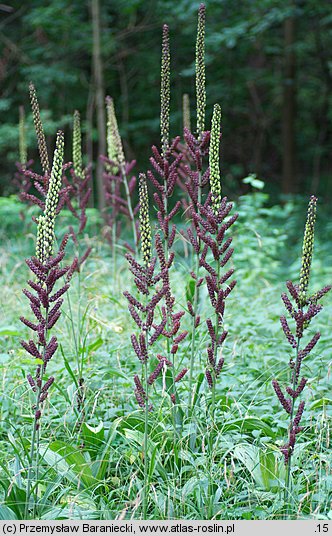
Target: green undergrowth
[{"x": 230, "y": 468}]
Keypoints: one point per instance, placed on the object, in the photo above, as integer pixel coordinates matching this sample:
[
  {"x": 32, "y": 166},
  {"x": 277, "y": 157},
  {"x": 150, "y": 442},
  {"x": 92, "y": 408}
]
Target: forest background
[{"x": 268, "y": 64}]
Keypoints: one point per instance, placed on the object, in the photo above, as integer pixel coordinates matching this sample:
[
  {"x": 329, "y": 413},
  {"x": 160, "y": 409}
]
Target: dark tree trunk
[
  {"x": 99, "y": 99},
  {"x": 289, "y": 178}
]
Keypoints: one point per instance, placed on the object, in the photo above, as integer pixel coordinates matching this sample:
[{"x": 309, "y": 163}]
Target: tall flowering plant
[
  {"x": 212, "y": 221},
  {"x": 45, "y": 302},
  {"x": 152, "y": 287},
  {"x": 119, "y": 189},
  {"x": 79, "y": 189},
  {"x": 302, "y": 308}
]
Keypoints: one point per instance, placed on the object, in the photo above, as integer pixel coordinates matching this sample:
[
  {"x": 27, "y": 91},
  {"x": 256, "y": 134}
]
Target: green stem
[
  {"x": 35, "y": 437},
  {"x": 146, "y": 443},
  {"x": 287, "y": 495},
  {"x": 216, "y": 330},
  {"x": 195, "y": 307},
  {"x": 31, "y": 460},
  {"x": 130, "y": 207},
  {"x": 212, "y": 410},
  {"x": 114, "y": 250}
]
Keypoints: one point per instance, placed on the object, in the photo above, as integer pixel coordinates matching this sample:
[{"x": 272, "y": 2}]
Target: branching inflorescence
[
  {"x": 164, "y": 177},
  {"x": 42, "y": 147},
  {"x": 79, "y": 189},
  {"x": 45, "y": 301},
  {"x": 302, "y": 308},
  {"x": 211, "y": 223},
  {"x": 117, "y": 171},
  {"x": 153, "y": 287}
]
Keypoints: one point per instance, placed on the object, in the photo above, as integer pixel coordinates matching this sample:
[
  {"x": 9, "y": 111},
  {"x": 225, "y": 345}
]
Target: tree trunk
[
  {"x": 99, "y": 99},
  {"x": 289, "y": 179}
]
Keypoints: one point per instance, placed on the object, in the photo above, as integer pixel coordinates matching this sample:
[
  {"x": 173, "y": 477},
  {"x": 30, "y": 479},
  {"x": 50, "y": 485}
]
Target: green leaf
[
  {"x": 93, "y": 346},
  {"x": 190, "y": 290},
  {"x": 264, "y": 466},
  {"x": 254, "y": 182},
  {"x": 248, "y": 424},
  {"x": 153, "y": 453},
  {"x": 6, "y": 513},
  {"x": 9, "y": 331},
  {"x": 70, "y": 462},
  {"x": 93, "y": 437},
  {"x": 321, "y": 403},
  {"x": 99, "y": 467}
]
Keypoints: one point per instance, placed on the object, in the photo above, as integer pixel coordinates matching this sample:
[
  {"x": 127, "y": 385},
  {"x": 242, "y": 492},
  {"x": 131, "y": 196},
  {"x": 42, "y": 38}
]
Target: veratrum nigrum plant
[
  {"x": 165, "y": 166},
  {"x": 45, "y": 303},
  {"x": 211, "y": 223},
  {"x": 191, "y": 170},
  {"x": 79, "y": 189},
  {"x": 32, "y": 179},
  {"x": 42, "y": 146},
  {"x": 152, "y": 287},
  {"x": 143, "y": 311},
  {"x": 302, "y": 308},
  {"x": 77, "y": 202},
  {"x": 118, "y": 189}
]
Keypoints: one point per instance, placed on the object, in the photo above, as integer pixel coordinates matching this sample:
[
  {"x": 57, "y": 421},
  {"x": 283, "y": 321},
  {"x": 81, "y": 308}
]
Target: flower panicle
[
  {"x": 45, "y": 232},
  {"x": 144, "y": 219},
  {"x": 186, "y": 111},
  {"x": 165, "y": 92},
  {"x": 302, "y": 309},
  {"x": 77, "y": 145},
  {"x": 43, "y": 153},
  {"x": 307, "y": 249},
  {"x": 200, "y": 71},
  {"x": 112, "y": 135},
  {"x": 23, "y": 151},
  {"x": 214, "y": 158}
]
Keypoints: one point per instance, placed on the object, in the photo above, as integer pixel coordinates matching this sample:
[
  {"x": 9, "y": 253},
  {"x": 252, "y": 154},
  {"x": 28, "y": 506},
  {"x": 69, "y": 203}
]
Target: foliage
[
  {"x": 52, "y": 46},
  {"x": 202, "y": 449},
  {"x": 103, "y": 479}
]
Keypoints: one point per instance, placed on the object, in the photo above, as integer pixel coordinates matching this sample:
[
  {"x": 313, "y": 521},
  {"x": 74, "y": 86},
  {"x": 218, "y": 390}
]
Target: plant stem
[
  {"x": 130, "y": 208},
  {"x": 287, "y": 495},
  {"x": 213, "y": 398},
  {"x": 31, "y": 460},
  {"x": 195, "y": 306},
  {"x": 146, "y": 443}
]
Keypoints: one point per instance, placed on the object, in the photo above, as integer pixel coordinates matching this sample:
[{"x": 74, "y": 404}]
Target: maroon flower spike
[{"x": 302, "y": 309}]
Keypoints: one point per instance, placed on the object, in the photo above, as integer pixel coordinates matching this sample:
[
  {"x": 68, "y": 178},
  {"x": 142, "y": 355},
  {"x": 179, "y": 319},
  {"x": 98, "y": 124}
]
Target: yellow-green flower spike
[
  {"x": 200, "y": 71},
  {"x": 214, "y": 156},
  {"x": 77, "y": 145},
  {"x": 40, "y": 254},
  {"x": 165, "y": 91},
  {"x": 110, "y": 136},
  {"x": 186, "y": 111},
  {"x": 307, "y": 249},
  {"x": 22, "y": 138},
  {"x": 144, "y": 219},
  {"x": 115, "y": 139},
  {"x": 42, "y": 147},
  {"x": 52, "y": 197}
]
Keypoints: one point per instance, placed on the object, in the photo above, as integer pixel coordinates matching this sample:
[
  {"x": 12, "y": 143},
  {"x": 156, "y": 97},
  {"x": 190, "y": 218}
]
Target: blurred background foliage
[{"x": 269, "y": 65}]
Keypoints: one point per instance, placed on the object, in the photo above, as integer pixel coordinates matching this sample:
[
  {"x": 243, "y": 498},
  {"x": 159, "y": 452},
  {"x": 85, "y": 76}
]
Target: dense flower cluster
[
  {"x": 44, "y": 160},
  {"x": 200, "y": 71},
  {"x": 45, "y": 301},
  {"x": 165, "y": 91},
  {"x": 79, "y": 189},
  {"x": 211, "y": 228},
  {"x": 153, "y": 287},
  {"x": 118, "y": 188},
  {"x": 302, "y": 309}
]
